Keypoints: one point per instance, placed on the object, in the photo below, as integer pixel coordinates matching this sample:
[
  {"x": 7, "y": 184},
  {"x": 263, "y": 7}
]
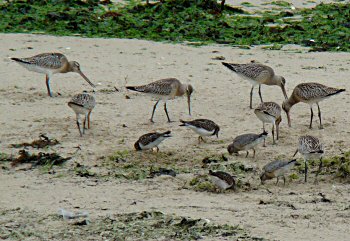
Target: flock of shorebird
[{"x": 166, "y": 89}]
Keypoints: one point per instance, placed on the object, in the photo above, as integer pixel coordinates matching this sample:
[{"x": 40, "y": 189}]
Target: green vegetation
[
  {"x": 147, "y": 225},
  {"x": 324, "y": 28}
]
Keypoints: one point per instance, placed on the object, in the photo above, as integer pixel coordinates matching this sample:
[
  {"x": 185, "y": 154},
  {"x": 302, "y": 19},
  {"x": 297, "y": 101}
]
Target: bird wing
[
  {"x": 149, "y": 137},
  {"x": 85, "y": 100},
  {"x": 270, "y": 108},
  {"x": 309, "y": 91},
  {"x": 46, "y": 60},
  {"x": 252, "y": 70},
  {"x": 242, "y": 140},
  {"x": 203, "y": 123},
  {"x": 159, "y": 87}
]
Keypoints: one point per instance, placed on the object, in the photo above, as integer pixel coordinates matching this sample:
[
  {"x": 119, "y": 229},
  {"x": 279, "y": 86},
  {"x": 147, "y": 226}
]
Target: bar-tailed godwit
[
  {"x": 50, "y": 64},
  {"x": 311, "y": 149},
  {"x": 222, "y": 180},
  {"x": 258, "y": 74},
  {"x": 151, "y": 140},
  {"x": 270, "y": 112},
  {"x": 82, "y": 104},
  {"x": 246, "y": 142},
  {"x": 276, "y": 169},
  {"x": 202, "y": 127},
  {"x": 310, "y": 93},
  {"x": 165, "y": 89}
]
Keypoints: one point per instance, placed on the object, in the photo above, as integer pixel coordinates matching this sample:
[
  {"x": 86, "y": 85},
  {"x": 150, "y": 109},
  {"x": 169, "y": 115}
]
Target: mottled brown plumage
[
  {"x": 258, "y": 74},
  {"x": 165, "y": 89},
  {"x": 222, "y": 180},
  {"x": 203, "y": 127},
  {"x": 49, "y": 64},
  {"x": 270, "y": 112},
  {"x": 151, "y": 140},
  {"x": 276, "y": 169},
  {"x": 310, "y": 93}
]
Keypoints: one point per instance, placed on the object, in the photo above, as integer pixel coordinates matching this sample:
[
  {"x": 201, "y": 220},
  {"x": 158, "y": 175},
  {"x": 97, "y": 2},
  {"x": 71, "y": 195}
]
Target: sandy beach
[{"x": 291, "y": 212}]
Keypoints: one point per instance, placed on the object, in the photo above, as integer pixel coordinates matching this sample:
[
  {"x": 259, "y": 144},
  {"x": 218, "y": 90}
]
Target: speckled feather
[
  {"x": 270, "y": 108},
  {"x": 309, "y": 144},
  {"x": 309, "y": 91},
  {"x": 275, "y": 165},
  {"x": 150, "y": 137},
  {"x": 251, "y": 70},
  {"x": 45, "y": 60},
  {"x": 84, "y": 100},
  {"x": 160, "y": 87},
  {"x": 206, "y": 124},
  {"x": 245, "y": 139},
  {"x": 223, "y": 176}
]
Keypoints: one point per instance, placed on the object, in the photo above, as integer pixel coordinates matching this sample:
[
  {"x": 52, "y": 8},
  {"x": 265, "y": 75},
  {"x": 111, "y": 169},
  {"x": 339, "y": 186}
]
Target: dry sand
[{"x": 26, "y": 111}]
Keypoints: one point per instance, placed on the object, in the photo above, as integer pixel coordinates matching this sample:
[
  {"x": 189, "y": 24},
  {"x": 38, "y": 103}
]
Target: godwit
[
  {"x": 258, "y": 74},
  {"x": 310, "y": 93},
  {"x": 276, "y": 169},
  {"x": 165, "y": 89},
  {"x": 82, "y": 104},
  {"x": 49, "y": 64},
  {"x": 269, "y": 112},
  {"x": 246, "y": 142},
  {"x": 202, "y": 127},
  {"x": 311, "y": 148},
  {"x": 151, "y": 140},
  {"x": 222, "y": 180}
]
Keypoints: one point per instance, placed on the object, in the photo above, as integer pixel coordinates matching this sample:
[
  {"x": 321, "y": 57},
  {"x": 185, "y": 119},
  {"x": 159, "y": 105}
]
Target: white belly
[
  {"x": 265, "y": 118},
  {"x": 38, "y": 69},
  {"x": 152, "y": 144},
  {"x": 79, "y": 109},
  {"x": 201, "y": 131},
  {"x": 312, "y": 156},
  {"x": 219, "y": 183}
]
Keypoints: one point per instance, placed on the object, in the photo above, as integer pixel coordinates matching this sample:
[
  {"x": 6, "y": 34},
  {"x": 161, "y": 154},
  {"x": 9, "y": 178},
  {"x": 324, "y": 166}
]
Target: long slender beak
[
  {"x": 189, "y": 104},
  {"x": 284, "y": 92},
  {"x": 86, "y": 78}
]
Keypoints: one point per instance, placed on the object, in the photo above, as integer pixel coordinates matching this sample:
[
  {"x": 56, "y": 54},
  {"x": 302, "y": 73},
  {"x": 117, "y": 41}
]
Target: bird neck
[
  {"x": 181, "y": 90},
  {"x": 290, "y": 102},
  {"x": 67, "y": 67},
  {"x": 275, "y": 80}
]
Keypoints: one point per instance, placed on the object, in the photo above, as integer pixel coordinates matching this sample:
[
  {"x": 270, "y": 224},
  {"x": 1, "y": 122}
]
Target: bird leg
[
  {"x": 251, "y": 98},
  {"x": 199, "y": 139},
  {"x": 319, "y": 169},
  {"x": 157, "y": 148},
  {"x": 284, "y": 180},
  {"x": 253, "y": 153},
  {"x": 278, "y": 178},
  {"x": 260, "y": 93},
  {"x": 305, "y": 161},
  {"x": 273, "y": 134},
  {"x": 89, "y": 119},
  {"x": 247, "y": 154},
  {"x": 312, "y": 115},
  {"x": 84, "y": 124},
  {"x": 277, "y": 131},
  {"x": 166, "y": 112},
  {"x": 295, "y": 152},
  {"x": 319, "y": 116},
  {"x": 78, "y": 124},
  {"x": 154, "y": 108},
  {"x": 264, "y": 145},
  {"x": 48, "y": 86}
]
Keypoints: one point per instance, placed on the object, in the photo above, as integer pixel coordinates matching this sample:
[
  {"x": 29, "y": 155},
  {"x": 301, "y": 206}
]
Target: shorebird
[
  {"x": 311, "y": 148},
  {"x": 222, "y": 180},
  {"x": 50, "y": 64},
  {"x": 276, "y": 169},
  {"x": 202, "y": 127},
  {"x": 82, "y": 104},
  {"x": 310, "y": 93},
  {"x": 165, "y": 89},
  {"x": 270, "y": 112},
  {"x": 258, "y": 74},
  {"x": 246, "y": 142},
  {"x": 151, "y": 140}
]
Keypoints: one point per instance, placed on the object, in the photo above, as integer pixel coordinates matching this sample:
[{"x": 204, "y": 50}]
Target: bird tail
[
  {"x": 20, "y": 60},
  {"x": 265, "y": 133},
  {"x": 337, "y": 92},
  {"x": 230, "y": 66},
  {"x": 183, "y": 123},
  {"x": 166, "y": 134},
  {"x": 291, "y": 163},
  {"x": 137, "y": 146}
]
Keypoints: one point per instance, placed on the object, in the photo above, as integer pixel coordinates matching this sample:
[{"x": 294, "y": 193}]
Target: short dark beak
[{"x": 86, "y": 78}]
